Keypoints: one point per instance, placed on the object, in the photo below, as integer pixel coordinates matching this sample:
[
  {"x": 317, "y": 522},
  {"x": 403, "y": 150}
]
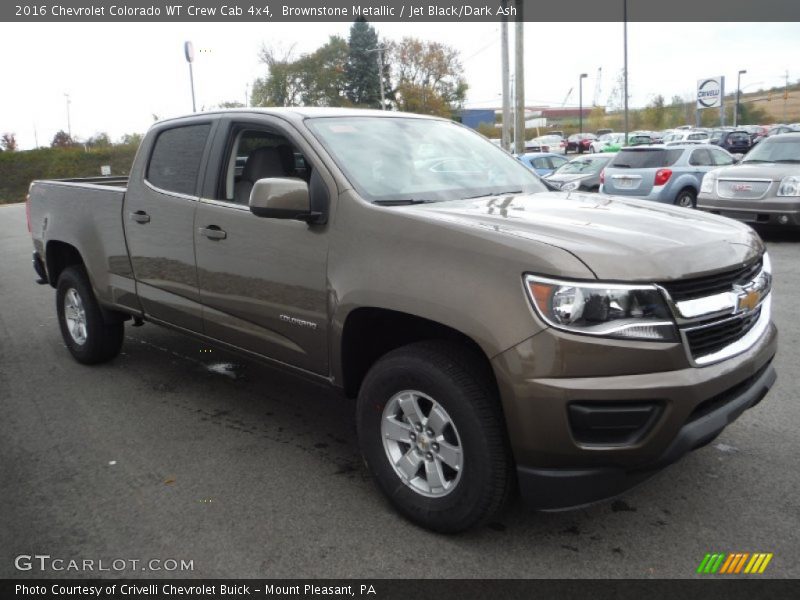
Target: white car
[
  {"x": 605, "y": 140},
  {"x": 687, "y": 135}
]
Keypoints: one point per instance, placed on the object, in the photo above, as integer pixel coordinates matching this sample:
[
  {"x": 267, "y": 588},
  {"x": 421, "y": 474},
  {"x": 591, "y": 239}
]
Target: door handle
[
  {"x": 140, "y": 217},
  {"x": 213, "y": 232}
]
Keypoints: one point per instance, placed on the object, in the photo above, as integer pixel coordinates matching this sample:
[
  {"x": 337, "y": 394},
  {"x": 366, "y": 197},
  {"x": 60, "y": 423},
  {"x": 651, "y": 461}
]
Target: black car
[{"x": 735, "y": 142}]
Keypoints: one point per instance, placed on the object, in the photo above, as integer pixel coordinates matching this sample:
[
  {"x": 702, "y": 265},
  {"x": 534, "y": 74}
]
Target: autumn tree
[
  {"x": 428, "y": 77},
  {"x": 99, "y": 140},
  {"x": 62, "y": 140},
  {"x": 131, "y": 139},
  {"x": 8, "y": 142}
]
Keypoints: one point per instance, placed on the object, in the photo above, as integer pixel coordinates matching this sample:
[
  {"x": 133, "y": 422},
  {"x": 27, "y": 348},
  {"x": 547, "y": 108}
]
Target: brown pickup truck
[{"x": 498, "y": 335}]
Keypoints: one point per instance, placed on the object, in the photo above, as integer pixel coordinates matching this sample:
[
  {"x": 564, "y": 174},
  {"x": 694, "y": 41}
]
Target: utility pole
[
  {"x": 738, "y": 97},
  {"x": 504, "y": 67},
  {"x": 246, "y": 95},
  {"x": 519, "y": 81},
  {"x": 625, "y": 56},
  {"x": 580, "y": 102},
  {"x": 785, "y": 94},
  {"x": 69, "y": 124}
]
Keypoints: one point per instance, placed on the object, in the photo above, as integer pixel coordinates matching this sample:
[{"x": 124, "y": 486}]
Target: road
[{"x": 179, "y": 451}]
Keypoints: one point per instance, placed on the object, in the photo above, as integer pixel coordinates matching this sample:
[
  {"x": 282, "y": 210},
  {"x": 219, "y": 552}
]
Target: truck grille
[
  {"x": 742, "y": 190},
  {"x": 698, "y": 287},
  {"x": 709, "y": 339}
]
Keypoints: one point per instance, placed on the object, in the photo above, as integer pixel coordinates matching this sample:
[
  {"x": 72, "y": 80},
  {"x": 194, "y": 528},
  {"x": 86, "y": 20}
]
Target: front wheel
[
  {"x": 686, "y": 198},
  {"x": 89, "y": 337},
  {"x": 431, "y": 431}
]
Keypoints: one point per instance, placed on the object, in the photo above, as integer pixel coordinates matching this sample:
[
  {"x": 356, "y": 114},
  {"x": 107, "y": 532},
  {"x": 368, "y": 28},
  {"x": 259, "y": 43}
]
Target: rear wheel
[
  {"x": 89, "y": 337},
  {"x": 686, "y": 198},
  {"x": 431, "y": 431}
]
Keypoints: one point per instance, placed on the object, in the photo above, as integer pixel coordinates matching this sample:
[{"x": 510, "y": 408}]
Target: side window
[
  {"x": 699, "y": 158},
  {"x": 539, "y": 163},
  {"x": 720, "y": 158},
  {"x": 175, "y": 159},
  {"x": 257, "y": 154}
]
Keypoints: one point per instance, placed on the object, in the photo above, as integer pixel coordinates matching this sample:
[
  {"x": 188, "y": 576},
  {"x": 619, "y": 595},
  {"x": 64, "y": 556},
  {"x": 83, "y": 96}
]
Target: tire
[
  {"x": 460, "y": 476},
  {"x": 90, "y": 338},
  {"x": 686, "y": 198}
]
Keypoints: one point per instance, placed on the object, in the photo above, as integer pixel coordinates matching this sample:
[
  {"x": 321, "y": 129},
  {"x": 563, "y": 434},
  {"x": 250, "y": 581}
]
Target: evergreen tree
[{"x": 363, "y": 79}]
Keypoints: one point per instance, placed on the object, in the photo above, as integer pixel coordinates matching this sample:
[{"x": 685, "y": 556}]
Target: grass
[{"x": 18, "y": 169}]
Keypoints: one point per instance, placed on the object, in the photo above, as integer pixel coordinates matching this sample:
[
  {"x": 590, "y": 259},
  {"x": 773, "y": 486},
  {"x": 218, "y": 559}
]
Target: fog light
[{"x": 783, "y": 219}]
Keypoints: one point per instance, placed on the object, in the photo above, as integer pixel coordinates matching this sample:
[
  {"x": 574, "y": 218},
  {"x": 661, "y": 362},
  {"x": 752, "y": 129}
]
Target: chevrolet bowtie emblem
[{"x": 748, "y": 300}]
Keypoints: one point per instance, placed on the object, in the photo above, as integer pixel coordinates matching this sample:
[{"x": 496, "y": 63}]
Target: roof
[{"x": 304, "y": 112}]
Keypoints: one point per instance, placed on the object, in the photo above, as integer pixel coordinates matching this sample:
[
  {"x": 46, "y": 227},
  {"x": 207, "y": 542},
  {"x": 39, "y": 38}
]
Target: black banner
[
  {"x": 386, "y": 589},
  {"x": 398, "y": 10}
]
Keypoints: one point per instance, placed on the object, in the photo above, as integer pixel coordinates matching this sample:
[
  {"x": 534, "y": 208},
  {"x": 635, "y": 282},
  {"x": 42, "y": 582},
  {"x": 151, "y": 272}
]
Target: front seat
[{"x": 261, "y": 163}]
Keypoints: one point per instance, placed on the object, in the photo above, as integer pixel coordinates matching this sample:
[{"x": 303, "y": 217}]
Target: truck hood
[
  {"x": 616, "y": 238},
  {"x": 773, "y": 171}
]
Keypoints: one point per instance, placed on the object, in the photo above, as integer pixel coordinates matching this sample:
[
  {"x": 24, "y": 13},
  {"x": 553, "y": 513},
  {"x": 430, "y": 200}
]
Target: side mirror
[{"x": 282, "y": 198}]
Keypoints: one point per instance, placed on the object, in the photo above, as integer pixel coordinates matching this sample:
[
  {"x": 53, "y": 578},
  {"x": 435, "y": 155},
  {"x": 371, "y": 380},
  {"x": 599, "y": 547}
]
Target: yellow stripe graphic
[
  {"x": 757, "y": 558},
  {"x": 765, "y": 563}
]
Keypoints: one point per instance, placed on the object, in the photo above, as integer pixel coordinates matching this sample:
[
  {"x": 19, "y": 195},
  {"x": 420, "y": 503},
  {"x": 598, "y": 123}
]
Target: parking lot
[{"x": 180, "y": 451}]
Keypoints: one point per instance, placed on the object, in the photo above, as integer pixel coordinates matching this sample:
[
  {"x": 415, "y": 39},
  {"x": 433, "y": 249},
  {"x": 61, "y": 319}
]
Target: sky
[{"x": 120, "y": 76}]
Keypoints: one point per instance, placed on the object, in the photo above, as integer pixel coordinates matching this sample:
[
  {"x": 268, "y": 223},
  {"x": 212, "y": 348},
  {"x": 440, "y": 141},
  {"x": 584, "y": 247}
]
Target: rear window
[
  {"x": 645, "y": 159},
  {"x": 739, "y": 137},
  {"x": 175, "y": 160}
]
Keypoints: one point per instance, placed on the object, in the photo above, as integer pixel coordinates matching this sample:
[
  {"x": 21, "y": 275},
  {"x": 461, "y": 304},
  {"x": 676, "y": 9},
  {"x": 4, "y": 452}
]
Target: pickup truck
[{"x": 497, "y": 336}]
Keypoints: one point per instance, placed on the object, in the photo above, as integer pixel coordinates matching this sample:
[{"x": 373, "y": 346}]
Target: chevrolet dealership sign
[{"x": 710, "y": 92}]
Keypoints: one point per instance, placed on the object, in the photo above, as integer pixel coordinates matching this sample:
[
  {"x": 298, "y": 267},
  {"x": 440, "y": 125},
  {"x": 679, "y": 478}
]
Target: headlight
[
  {"x": 707, "y": 187},
  {"x": 568, "y": 187},
  {"x": 603, "y": 309},
  {"x": 790, "y": 186}
]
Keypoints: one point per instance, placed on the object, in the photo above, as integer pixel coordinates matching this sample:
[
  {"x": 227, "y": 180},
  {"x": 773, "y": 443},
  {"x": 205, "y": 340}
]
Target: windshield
[
  {"x": 775, "y": 149},
  {"x": 583, "y": 166},
  {"x": 399, "y": 159}
]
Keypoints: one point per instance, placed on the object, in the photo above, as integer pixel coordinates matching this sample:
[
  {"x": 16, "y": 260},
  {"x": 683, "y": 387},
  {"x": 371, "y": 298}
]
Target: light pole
[
  {"x": 580, "y": 102},
  {"x": 380, "y": 49},
  {"x": 188, "y": 52},
  {"x": 625, "y": 61},
  {"x": 738, "y": 94},
  {"x": 69, "y": 124}
]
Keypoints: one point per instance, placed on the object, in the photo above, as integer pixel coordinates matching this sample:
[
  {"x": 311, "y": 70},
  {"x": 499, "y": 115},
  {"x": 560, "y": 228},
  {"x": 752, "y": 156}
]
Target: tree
[
  {"x": 131, "y": 139},
  {"x": 363, "y": 79},
  {"x": 8, "y": 142},
  {"x": 279, "y": 87},
  {"x": 429, "y": 77},
  {"x": 230, "y": 104},
  {"x": 62, "y": 140},
  {"x": 655, "y": 113},
  {"x": 99, "y": 140}
]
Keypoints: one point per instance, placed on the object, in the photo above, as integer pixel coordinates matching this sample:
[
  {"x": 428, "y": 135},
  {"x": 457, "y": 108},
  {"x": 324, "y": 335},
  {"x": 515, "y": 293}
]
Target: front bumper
[
  {"x": 543, "y": 377},
  {"x": 767, "y": 211}
]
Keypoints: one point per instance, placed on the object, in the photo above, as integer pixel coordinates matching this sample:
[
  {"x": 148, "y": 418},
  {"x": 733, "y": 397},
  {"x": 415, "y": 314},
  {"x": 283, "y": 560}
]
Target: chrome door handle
[
  {"x": 140, "y": 217},
  {"x": 213, "y": 232}
]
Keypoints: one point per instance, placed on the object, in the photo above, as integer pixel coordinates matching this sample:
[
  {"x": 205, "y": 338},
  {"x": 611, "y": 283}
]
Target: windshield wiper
[
  {"x": 505, "y": 193},
  {"x": 787, "y": 160},
  {"x": 622, "y": 166},
  {"x": 756, "y": 160},
  {"x": 402, "y": 202}
]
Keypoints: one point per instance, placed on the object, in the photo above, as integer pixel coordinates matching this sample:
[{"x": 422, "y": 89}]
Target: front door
[{"x": 263, "y": 281}]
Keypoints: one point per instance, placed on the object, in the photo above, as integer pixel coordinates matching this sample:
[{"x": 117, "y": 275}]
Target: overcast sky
[{"x": 119, "y": 75}]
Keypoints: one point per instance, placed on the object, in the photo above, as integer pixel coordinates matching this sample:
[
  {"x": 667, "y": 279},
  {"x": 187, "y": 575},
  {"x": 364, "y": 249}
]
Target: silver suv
[
  {"x": 668, "y": 174},
  {"x": 764, "y": 188}
]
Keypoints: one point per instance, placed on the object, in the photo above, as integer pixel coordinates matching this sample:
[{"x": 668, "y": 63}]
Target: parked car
[
  {"x": 640, "y": 139},
  {"x": 601, "y": 132},
  {"x": 687, "y": 135},
  {"x": 764, "y": 188},
  {"x": 736, "y": 141},
  {"x": 545, "y": 143},
  {"x": 776, "y": 130},
  {"x": 543, "y": 163},
  {"x": 579, "y": 142},
  {"x": 582, "y": 173},
  {"x": 605, "y": 141},
  {"x": 397, "y": 282},
  {"x": 669, "y": 174}
]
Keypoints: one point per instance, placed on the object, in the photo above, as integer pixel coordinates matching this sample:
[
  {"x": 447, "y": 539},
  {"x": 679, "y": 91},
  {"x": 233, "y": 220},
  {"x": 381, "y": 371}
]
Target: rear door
[
  {"x": 263, "y": 281},
  {"x": 159, "y": 222}
]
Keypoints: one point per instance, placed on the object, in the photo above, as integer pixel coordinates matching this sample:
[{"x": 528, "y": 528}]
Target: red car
[{"x": 579, "y": 142}]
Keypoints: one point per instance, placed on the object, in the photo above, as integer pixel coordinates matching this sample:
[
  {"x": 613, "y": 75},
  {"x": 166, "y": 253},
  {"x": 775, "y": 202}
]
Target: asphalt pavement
[{"x": 177, "y": 451}]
